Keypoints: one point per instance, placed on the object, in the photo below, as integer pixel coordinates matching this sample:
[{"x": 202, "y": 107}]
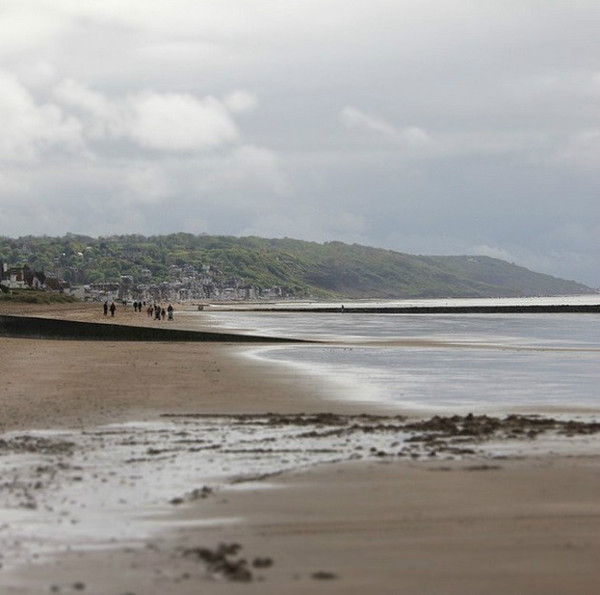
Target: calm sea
[{"x": 448, "y": 363}]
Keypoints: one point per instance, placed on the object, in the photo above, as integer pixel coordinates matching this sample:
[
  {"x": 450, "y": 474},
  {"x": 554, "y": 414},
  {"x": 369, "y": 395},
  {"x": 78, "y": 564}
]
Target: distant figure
[
  {"x": 170, "y": 312},
  {"x": 135, "y": 306},
  {"x": 105, "y": 308},
  {"x": 342, "y": 308},
  {"x": 163, "y": 313},
  {"x": 149, "y": 311},
  {"x": 112, "y": 309}
]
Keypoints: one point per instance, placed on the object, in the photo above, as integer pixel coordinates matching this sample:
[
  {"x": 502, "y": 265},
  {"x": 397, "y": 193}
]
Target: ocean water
[{"x": 438, "y": 363}]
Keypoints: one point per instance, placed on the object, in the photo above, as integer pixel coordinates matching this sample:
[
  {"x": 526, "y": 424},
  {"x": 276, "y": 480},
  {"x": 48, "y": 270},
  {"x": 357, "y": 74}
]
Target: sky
[{"x": 424, "y": 126}]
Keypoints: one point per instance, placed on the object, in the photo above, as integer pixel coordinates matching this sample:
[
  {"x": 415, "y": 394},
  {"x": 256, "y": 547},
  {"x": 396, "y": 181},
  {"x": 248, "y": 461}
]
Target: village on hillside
[{"x": 184, "y": 284}]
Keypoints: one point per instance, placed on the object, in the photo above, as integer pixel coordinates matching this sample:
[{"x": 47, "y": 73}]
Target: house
[{"x": 14, "y": 278}]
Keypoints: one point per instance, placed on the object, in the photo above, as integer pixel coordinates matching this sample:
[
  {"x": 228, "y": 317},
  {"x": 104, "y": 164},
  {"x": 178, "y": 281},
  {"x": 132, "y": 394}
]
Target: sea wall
[{"x": 49, "y": 328}]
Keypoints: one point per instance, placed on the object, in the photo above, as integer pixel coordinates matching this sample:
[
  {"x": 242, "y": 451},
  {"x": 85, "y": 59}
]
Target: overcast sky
[{"x": 422, "y": 126}]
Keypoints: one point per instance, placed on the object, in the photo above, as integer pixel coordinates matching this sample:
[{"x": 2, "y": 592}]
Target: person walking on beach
[
  {"x": 112, "y": 309},
  {"x": 170, "y": 312},
  {"x": 105, "y": 308}
]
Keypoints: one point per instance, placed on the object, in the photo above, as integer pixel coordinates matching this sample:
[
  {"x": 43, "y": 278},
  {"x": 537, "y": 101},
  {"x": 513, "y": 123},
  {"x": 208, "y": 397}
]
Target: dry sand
[{"x": 527, "y": 524}]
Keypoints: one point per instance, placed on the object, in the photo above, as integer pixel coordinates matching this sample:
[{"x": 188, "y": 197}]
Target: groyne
[
  {"x": 480, "y": 309},
  {"x": 50, "y": 328}
]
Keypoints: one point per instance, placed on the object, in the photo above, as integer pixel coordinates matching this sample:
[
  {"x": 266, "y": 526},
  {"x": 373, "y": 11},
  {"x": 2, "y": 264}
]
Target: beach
[{"x": 525, "y": 521}]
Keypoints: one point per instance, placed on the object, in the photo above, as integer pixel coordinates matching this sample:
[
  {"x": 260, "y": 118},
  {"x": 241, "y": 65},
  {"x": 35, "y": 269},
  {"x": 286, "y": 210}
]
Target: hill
[{"x": 301, "y": 268}]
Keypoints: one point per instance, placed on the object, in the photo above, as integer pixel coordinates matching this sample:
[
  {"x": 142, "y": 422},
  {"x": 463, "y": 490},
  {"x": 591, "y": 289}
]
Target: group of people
[
  {"x": 159, "y": 313},
  {"x": 137, "y": 306},
  {"x": 153, "y": 310},
  {"x": 112, "y": 309}
]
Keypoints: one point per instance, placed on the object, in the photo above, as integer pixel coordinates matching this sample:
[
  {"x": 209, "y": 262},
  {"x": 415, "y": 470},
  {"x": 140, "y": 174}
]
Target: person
[
  {"x": 105, "y": 308},
  {"x": 163, "y": 313},
  {"x": 170, "y": 312},
  {"x": 112, "y": 309}
]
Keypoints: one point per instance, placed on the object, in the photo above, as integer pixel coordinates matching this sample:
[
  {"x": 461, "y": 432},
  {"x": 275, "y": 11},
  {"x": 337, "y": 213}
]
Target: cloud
[
  {"x": 411, "y": 136},
  {"x": 355, "y": 119},
  {"x": 261, "y": 165},
  {"x": 37, "y": 74},
  {"x": 244, "y": 179},
  {"x": 171, "y": 122},
  {"x": 135, "y": 152},
  {"x": 180, "y": 122},
  {"x": 23, "y": 28},
  {"x": 12, "y": 184},
  {"x": 581, "y": 149},
  {"x": 240, "y": 102},
  {"x": 28, "y": 128},
  {"x": 146, "y": 184},
  {"x": 101, "y": 117}
]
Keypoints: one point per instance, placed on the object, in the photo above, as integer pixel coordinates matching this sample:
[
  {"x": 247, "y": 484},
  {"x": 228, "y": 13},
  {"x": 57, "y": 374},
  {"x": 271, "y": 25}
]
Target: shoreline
[{"x": 523, "y": 521}]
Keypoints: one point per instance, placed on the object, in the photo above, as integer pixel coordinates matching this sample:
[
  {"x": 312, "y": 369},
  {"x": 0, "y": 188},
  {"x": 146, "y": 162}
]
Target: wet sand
[{"x": 527, "y": 521}]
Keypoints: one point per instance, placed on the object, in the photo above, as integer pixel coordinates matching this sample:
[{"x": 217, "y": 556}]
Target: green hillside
[{"x": 302, "y": 268}]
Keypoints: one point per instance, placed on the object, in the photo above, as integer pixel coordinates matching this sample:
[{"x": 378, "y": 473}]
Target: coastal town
[{"x": 185, "y": 283}]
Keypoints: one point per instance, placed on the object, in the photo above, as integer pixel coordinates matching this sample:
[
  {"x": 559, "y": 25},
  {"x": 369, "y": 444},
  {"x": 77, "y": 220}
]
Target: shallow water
[
  {"x": 121, "y": 483},
  {"x": 118, "y": 485},
  {"x": 448, "y": 363}
]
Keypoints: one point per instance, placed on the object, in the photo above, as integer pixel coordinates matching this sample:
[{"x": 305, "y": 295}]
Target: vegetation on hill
[{"x": 333, "y": 269}]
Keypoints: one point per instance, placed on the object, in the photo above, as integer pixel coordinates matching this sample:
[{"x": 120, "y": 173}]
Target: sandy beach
[{"x": 419, "y": 521}]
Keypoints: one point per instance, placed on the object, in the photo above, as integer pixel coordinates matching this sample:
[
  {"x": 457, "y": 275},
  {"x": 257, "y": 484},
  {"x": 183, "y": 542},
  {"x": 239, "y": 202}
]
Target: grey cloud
[
  {"x": 180, "y": 122},
  {"x": 161, "y": 121},
  {"x": 28, "y": 129}
]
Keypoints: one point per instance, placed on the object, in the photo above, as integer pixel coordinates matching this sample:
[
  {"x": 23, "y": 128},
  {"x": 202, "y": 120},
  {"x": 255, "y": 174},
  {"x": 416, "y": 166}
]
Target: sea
[{"x": 434, "y": 363}]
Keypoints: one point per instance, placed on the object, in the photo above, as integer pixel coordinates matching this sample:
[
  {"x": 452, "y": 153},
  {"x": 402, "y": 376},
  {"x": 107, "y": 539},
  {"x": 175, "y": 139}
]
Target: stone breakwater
[
  {"x": 480, "y": 309},
  {"x": 49, "y": 328}
]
